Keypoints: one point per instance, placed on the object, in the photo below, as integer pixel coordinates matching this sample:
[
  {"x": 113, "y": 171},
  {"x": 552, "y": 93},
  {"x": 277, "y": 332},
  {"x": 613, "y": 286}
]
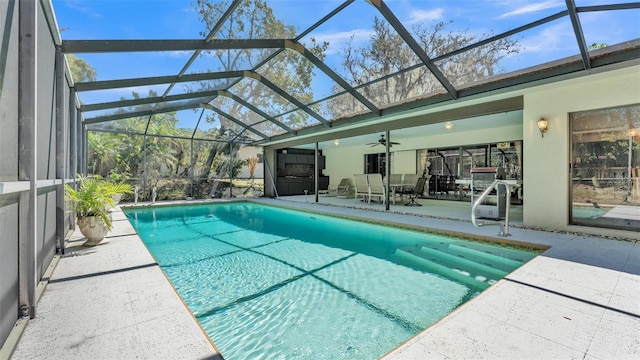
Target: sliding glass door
[
  {"x": 448, "y": 170},
  {"x": 605, "y": 188}
]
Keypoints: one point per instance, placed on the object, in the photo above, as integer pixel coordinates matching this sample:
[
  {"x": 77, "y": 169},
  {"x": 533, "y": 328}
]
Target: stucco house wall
[
  {"x": 546, "y": 168},
  {"x": 546, "y": 160}
]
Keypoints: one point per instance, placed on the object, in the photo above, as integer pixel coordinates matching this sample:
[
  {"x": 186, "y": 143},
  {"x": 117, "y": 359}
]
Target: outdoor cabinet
[
  {"x": 297, "y": 187},
  {"x": 283, "y": 188},
  {"x": 282, "y": 161},
  {"x": 311, "y": 159},
  {"x": 300, "y": 159},
  {"x": 291, "y": 158}
]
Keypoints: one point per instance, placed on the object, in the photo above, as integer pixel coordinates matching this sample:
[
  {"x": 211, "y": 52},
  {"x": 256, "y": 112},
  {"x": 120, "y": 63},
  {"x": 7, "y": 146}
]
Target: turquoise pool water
[
  {"x": 588, "y": 212},
  {"x": 271, "y": 283}
]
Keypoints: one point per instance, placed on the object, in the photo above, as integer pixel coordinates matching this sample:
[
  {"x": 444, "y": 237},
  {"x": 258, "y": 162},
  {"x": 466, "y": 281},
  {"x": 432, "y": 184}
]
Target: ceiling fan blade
[{"x": 395, "y": 143}]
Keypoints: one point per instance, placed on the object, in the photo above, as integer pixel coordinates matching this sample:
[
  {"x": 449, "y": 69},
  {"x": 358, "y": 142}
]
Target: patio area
[
  {"x": 441, "y": 209},
  {"x": 269, "y": 98},
  {"x": 576, "y": 300}
]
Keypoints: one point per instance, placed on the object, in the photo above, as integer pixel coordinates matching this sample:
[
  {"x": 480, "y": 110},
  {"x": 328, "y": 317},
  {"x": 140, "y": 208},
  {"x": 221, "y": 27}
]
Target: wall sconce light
[
  {"x": 543, "y": 126},
  {"x": 448, "y": 125},
  {"x": 336, "y": 142}
]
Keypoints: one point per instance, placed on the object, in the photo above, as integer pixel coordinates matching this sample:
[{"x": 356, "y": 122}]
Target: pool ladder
[{"x": 504, "y": 228}]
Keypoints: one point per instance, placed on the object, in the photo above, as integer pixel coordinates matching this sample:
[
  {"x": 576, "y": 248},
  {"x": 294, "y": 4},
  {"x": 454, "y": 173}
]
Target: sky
[{"x": 176, "y": 19}]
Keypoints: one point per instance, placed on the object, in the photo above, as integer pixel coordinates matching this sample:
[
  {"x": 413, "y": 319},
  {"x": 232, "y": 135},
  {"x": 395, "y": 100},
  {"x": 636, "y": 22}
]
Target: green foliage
[
  {"x": 111, "y": 153},
  {"x": 81, "y": 71},
  {"x": 221, "y": 162},
  {"x": 167, "y": 157},
  {"x": 254, "y": 19},
  {"x": 595, "y": 46},
  {"x": 386, "y": 53},
  {"x": 94, "y": 197}
]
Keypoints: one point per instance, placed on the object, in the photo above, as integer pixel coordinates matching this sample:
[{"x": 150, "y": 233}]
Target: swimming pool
[
  {"x": 588, "y": 212},
  {"x": 269, "y": 283}
]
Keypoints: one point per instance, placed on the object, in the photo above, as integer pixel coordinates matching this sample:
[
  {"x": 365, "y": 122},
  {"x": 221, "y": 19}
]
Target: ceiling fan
[{"x": 383, "y": 141}]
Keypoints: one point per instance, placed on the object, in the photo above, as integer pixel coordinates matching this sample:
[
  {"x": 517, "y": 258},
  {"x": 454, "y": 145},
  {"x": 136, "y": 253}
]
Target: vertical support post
[
  {"x": 73, "y": 143},
  {"x": 61, "y": 147},
  {"x": 387, "y": 165},
  {"x": 73, "y": 136},
  {"x": 27, "y": 155},
  {"x": 83, "y": 145},
  {"x": 316, "y": 171},
  {"x": 267, "y": 168},
  {"x": 144, "y": 166},
  {"x": 629, "y": 168},
  {"x": 192, "y": 172},
  {"x": 230, "y": 169},
  {"x": 81, "y": 165}
]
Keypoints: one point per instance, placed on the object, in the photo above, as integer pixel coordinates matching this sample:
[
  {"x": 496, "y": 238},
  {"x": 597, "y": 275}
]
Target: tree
[
  {"x": 386, "y": 54},
  {"x": 252, "y": 163},
  {"x": 254, "y": 19},
  {"x": 102, "y": 150},
  {"x": 595, "y": 46},
  {"x": 80, "y": 69}
]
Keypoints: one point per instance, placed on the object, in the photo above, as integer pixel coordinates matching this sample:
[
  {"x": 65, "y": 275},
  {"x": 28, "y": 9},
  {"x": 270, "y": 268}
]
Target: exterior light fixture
[
  {"x": 543, "y": 126},
  {"x": 336, "y": 142},
  {"x": 448, "y": 125}
]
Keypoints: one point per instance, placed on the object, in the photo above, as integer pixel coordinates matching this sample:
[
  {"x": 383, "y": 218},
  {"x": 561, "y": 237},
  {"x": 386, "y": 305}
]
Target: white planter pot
[{"x": 93, "y": 228}]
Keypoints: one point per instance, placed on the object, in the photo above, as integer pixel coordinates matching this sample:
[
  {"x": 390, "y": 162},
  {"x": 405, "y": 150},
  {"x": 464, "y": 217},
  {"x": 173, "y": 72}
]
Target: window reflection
[
  {"x": 448, "y": 170},
  {"x": 605, "y": 189}
]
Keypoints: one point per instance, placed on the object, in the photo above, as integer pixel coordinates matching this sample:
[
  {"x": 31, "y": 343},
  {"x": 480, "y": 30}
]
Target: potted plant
[{"x": 92, "y": 202}]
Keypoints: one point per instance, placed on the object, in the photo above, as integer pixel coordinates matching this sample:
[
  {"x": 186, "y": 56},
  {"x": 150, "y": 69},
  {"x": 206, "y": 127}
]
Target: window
[
  {"x": 449, "y": 169},
  {"x": 605, "y": 158},
  {"x": 375, "y": 163}
]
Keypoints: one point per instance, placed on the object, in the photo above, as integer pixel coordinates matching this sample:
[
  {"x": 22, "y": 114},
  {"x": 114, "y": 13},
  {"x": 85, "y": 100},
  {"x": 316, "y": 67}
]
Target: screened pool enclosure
[
  {"x": 201, "y": 111},
  {"x": 262, "y": 73}
]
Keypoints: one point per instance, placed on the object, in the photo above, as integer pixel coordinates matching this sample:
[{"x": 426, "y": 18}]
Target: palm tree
[{"x": 102, "y": 150}]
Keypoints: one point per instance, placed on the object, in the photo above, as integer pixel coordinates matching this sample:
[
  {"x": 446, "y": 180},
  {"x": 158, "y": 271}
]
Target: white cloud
[
  {"x": 550, "y": 39},
  {"x": 109, "y": 95},
  {"x": 532, "y": 8},
  {"x": 425, "y": 15},
  {"x": 337, "y": 40},
  {"x": 81, "y": 6},
  {"x": 178, "y": 54}
]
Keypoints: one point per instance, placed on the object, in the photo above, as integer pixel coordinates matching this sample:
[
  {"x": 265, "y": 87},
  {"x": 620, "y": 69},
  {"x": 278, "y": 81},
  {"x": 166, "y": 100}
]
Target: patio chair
[
  {"x": 417, "y": 192},
  {"x": 376, "y": 187},
  {"x": 395, "y": 179},
  {"x": 361, "y": 186},
  {"x": 408, "y": 183},
  {"x": 396, "y": 186},
  {"x": 342, "y": 190}
]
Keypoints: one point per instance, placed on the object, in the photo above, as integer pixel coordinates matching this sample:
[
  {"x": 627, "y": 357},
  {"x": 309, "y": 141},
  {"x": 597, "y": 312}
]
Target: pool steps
[
  {"x": 474, "y": 265},
  {"x": 463, "y": 264},
  {"x": 435, "y": 268},
  {"x": 495, "y": 261},
  {"x": 503, "y": 252}
]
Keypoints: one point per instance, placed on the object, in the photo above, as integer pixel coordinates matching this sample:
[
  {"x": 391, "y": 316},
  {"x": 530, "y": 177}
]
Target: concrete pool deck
[{"x": 579, "y": 299}]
